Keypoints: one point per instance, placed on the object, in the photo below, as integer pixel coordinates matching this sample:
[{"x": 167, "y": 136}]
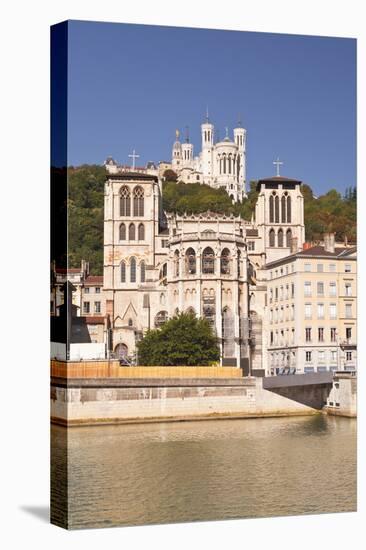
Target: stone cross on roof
[
  {"x": 134, "y": 157},
  {"x": 278, "y": 162}
]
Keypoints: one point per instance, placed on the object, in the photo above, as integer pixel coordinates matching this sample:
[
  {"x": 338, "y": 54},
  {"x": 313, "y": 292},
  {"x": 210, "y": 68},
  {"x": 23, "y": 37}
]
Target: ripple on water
[{"x": 206, "y": 470}]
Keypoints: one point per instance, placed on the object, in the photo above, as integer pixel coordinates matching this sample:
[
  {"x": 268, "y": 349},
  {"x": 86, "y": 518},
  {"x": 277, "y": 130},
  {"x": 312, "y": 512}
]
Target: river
[{"x": 204, "y": 470}]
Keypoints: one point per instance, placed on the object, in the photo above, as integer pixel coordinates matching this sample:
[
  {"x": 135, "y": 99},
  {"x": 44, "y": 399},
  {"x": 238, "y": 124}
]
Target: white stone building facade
[
  {"x": 220, "y": 164},
  {"x": 311, "y": 320}
]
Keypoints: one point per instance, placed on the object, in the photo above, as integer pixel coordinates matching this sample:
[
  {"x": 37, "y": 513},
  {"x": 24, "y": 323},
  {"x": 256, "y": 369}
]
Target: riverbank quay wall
[
  {"x": 342, "y": 399},
  {"x": 131, "y": 397}
]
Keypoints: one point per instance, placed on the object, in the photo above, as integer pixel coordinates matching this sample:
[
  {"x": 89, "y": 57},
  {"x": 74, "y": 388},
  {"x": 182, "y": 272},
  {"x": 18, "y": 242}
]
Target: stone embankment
[{"x": 105, "y": 393}]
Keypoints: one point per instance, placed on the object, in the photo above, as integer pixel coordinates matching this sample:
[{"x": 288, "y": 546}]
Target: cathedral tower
[
  {"x": 207, "y": 133},
  {"x": 187, "y": 152},
  {"x": 240, "y": 142},
  {"x": 279, "y": 216},
  {"x": 132, "y": 247},
  {"x": 177, "y": 153}
]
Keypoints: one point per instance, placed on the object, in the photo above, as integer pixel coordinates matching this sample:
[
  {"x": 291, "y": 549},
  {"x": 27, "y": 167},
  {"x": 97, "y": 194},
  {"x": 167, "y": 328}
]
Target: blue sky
[{"x": 131, "y": 86}]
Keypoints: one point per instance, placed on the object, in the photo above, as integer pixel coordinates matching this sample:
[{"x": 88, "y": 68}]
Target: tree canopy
[
  {"x": 330, "y": 213},
  {"x": 85, "y": 216},
  {"x": 183, "y": 340}
]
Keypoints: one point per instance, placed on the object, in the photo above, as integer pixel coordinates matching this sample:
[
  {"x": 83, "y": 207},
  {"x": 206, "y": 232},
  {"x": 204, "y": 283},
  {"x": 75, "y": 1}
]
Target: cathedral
[{"x": 157, "y": 263}]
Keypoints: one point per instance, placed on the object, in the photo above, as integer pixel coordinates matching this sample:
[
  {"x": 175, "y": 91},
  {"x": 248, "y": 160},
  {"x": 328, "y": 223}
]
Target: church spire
[{"x": 187, "y": 134}]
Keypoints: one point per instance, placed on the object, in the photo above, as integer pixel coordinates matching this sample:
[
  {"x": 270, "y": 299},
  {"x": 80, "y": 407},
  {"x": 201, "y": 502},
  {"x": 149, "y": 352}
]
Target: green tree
[
  {"x": 170, "y": 175},
  {"x": 85, "y": 216},
  {"x": 247, "y": 208},
  {"x": 183, "y": 340}
]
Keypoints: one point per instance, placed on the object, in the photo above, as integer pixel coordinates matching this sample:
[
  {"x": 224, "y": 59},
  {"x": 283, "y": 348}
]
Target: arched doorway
[{"x": 121, "y": 351}]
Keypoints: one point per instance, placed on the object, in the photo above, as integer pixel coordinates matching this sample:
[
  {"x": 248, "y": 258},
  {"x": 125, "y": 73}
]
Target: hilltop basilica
[{"x": 219, "y": 164}]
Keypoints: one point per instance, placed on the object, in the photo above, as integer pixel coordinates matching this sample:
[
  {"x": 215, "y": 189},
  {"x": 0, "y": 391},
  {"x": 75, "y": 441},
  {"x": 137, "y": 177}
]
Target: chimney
[
  {"x": 329, "y": 242},
  {"x": 294, "y": 241}
]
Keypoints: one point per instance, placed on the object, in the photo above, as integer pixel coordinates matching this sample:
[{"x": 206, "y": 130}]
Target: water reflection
[{"x": 169, "y": 472}]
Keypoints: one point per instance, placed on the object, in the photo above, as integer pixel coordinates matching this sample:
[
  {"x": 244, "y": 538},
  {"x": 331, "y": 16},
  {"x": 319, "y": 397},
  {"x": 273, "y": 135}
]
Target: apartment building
[
  {"x": 311, "y": 309},
  {"x": 88, "y": 301}
]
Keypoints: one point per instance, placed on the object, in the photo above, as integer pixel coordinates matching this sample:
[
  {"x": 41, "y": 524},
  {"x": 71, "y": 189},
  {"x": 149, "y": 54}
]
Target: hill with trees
[
  {"x": 85, "y": 211},
  {"x": 328, "y": 212}
]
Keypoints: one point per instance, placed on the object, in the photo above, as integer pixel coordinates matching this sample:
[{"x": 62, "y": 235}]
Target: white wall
[{"x": 87, "y": 351}]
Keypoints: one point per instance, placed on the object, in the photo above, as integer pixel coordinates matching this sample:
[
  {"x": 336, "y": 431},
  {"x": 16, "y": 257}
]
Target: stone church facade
[
  {"x": 157, "y": 264},
  {"x": 221, "y": 163}
]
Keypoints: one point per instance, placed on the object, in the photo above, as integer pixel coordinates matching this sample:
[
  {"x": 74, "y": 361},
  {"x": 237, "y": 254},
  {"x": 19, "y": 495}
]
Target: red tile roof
[
  {"x": 95, "y": 320},
  {"x": 93, "y": 279}
]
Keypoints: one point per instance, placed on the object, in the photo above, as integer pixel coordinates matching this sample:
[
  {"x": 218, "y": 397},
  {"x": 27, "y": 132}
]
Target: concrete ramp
[{"x": 309, "y": 389}]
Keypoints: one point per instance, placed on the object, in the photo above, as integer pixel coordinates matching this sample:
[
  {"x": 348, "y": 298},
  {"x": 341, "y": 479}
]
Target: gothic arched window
[
  {"x": 225, "y": 262},
  {"x": 122, "y": 232},
  {"x": 224, "y": 164},
  {"x": 176, "y": 263},
  {"x": 289, "y": 209},
  {"x": 229, "y": 164},
  {"x": 271, "y": 209},
  {"x": 125, "y": 202},
  {"x": 190, "y": 261},
  {"x": 133, "y": 270},
  {"x": 160, "y": 318},
  {"x": 123, "y": 272},
  {"x": 141, "y": 232},
  {"x": 280, "y": 238},
  {"x": 272, "y": 237},
  {"x": 138, "y": 201},
  {"x": 209, "y": 307},
  {"x": 208, "y": 261},
  {"x": 288, "y": 238},
  {"x": 283, "y": 209},
  {"x": 277, "y": 209},
  {"x": 142, "y": 271},
  {"x": 131, "y": 232},
  {"x": 238, "y": 166}
]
